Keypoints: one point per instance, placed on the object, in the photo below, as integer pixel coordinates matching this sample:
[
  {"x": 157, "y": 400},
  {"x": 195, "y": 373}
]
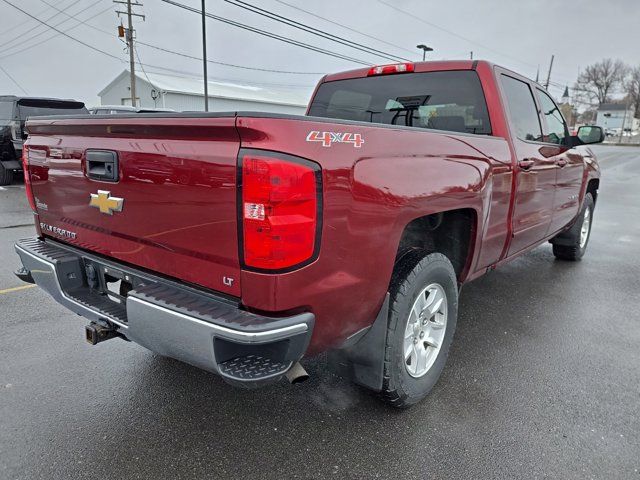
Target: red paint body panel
[
  {"x": 179, "y": 191},
  {"x": 178, "y": 179}
]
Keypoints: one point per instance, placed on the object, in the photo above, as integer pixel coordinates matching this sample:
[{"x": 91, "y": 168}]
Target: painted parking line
[{"x": 16, "y": 289}]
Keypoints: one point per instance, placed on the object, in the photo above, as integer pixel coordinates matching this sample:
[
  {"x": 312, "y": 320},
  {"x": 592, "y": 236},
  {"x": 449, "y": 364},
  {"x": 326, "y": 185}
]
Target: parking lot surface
[{"x": 543, "y": 381}]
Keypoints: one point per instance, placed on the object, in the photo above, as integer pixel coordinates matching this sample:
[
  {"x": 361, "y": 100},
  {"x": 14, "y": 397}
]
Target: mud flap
[{"x": 362, "y": 357}]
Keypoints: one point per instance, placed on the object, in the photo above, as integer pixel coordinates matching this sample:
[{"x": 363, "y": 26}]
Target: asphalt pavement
[{"x": 543, "y": 381}]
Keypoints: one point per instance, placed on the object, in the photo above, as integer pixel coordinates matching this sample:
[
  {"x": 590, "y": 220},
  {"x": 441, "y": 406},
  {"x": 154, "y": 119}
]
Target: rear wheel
[
  {"x": 6, "y": 175},
  {"x": 572, "y": 244},
  {"x": 422, "y": 320}
]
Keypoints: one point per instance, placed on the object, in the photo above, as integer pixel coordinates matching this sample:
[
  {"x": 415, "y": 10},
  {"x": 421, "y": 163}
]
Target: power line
[
  {"x": 193, "y": 57},
  {"x": 314, "y": 31},
  {"x": 61, "y": 32},
  {"x": 21, "y": 36},
  {"x": 29, "y": 47},
  {"x": 268, "y": 34},
  {"x": 345, "y": 26},
  {"x": 18, "y": 25},
  {"x": 13, "y": 80},
  {"x": 426, "y": 22},
  {"x": 173, "y": 52},
  {"x": 222, "y": 79}
]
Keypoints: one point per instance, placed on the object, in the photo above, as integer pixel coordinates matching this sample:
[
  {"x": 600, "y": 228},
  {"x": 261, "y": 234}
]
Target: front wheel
[
  {"x": 422, "y": 320},
  {"x": 572, "y": 244}
]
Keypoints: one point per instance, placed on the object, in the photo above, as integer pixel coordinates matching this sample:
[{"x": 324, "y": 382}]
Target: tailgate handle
[{"x": 102, "y": 165}]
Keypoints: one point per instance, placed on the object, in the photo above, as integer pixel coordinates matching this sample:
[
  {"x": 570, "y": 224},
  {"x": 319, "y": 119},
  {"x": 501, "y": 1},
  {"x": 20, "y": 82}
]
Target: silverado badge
[{"x": 104, "y": 202}]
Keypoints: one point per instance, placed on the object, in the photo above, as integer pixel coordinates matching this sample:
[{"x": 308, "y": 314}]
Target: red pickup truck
[{"x": 241, "y": 242}]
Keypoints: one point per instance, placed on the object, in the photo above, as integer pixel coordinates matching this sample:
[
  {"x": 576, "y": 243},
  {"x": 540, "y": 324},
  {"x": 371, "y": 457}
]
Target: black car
[{"x": 14, "y": 111}]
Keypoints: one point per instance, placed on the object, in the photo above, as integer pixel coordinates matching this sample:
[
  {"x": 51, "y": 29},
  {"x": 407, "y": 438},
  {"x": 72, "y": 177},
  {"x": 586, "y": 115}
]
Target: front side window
[
  {"x": 447, "y": 100},
  {"x": 523, "y": 113},
  {"x": 556, "y": 130}
]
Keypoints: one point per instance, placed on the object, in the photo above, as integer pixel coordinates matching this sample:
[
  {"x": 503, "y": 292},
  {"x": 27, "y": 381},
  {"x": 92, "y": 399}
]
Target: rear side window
[
  {"x": 450, "y": 100},
  {"x": 523, "y": 112},
  {"x": 6, "y": 110}
]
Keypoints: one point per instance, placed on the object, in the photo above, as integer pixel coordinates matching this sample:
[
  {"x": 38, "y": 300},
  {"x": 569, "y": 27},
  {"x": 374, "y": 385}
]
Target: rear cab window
[{"x": 443, "y": 100}]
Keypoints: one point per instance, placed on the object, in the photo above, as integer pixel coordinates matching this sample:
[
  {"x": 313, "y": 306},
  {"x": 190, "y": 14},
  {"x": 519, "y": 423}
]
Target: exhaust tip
[{"x": 297, "y": 374}]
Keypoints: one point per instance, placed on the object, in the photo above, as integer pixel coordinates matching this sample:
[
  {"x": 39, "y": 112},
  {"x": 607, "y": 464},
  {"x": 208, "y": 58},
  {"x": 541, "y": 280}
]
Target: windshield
[{"x": 450, "y": 100}]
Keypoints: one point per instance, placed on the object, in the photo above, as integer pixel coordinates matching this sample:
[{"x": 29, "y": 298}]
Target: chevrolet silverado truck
[
  {"x": 274, "y": 237},
  {"x": 14, "y": 112}
]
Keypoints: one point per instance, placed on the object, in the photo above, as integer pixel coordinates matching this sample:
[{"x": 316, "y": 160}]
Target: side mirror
[{"x": 590, "y": 134}]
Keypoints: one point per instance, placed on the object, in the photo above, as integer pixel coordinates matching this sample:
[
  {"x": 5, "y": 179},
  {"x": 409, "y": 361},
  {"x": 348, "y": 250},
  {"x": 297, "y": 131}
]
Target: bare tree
[
  {"x": 599, "y": 81},
  {"x": 632, "y": 87}
]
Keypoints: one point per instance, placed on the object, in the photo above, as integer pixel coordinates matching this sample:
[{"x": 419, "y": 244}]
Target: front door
[{"x": 535, "y": 173}]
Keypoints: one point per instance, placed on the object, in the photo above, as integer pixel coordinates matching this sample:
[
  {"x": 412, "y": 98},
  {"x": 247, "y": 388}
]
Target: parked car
[
  {"x": 351, "y": 229},
  {"x": 115, "y": 109},
  {"x": 14, "y": 111}
]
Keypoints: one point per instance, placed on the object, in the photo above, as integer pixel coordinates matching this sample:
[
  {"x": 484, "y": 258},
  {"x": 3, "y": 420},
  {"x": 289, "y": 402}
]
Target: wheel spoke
[
  {"x": 420, "y": 303},
  {"x": 421, "y": 361},
  {"x": 432, "y": 342},
  {"x": 408, "y": 350}
]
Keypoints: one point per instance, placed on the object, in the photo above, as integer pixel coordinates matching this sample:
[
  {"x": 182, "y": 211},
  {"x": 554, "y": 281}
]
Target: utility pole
[
  {"x": 471, "y": 55},
  {"x": 546, "y": 85},
  {"x": 204, "y": 58},
  {"x": 624, "y": 121},
  {"x": 129, "y": 38}
]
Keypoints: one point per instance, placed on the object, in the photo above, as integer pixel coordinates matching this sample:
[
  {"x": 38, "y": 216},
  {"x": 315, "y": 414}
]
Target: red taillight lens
[
  {"x": 393, "y": 68},
  {"x": 280, "y": 204},
  {"x": 27, "y": 178}
]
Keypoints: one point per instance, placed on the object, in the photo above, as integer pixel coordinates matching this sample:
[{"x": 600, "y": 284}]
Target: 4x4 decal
[{"x": 329, "y": 138}]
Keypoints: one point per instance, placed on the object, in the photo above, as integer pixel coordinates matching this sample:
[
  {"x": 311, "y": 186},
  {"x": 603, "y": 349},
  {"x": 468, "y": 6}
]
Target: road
[{"x": 543, "y": 381}]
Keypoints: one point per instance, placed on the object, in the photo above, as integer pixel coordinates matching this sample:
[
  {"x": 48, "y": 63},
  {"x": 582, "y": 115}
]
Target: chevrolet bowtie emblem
[{"x": 104, "y": 202}]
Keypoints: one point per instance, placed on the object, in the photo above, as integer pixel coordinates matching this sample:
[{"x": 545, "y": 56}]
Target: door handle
[
  {"x": 526, "y": 164},
  {"x": 102, "y": 165},
  {"x": 561, "y": 162}
]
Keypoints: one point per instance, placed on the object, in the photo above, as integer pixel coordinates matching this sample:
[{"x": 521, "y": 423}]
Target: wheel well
[
  {"x": 592, "y": 188},
  {"x": 448, "y": 233}
]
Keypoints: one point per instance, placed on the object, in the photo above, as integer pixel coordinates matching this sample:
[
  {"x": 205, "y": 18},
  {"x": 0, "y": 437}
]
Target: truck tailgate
[{"x": 172, "y": 208}]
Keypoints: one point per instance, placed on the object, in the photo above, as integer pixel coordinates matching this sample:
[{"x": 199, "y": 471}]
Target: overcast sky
[{"x": 520, "y": 35}]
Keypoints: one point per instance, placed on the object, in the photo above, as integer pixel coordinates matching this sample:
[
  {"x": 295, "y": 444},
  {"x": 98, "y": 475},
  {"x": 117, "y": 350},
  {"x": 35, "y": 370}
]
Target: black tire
[
  {"x": 6, "y": 175},
  {"x": 415, "y": 272},
  {"x": 566, "y": 245}
]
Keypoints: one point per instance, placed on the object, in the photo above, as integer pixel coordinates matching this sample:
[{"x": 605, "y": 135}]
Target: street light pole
[
  {"x": 204, "y": 58},
  {"x": 424, "y": 49}
]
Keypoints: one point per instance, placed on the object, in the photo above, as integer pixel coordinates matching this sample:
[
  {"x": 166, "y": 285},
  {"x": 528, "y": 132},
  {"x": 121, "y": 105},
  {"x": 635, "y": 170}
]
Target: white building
[
  {"x": 611, "y": 116},
  {"x": 155, "y": 90}
]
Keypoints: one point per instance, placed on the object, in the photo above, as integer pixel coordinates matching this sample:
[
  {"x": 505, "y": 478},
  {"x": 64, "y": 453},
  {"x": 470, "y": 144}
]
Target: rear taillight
[
  {"x": 27, "y": 178},
  {"x": 281, "y": 200},
  {"x": 393, "y": 68}
]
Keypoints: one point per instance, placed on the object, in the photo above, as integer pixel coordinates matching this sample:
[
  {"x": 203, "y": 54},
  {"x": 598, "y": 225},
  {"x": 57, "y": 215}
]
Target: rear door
[
  {"x": 570, "y": 164},
  {"x": 535, "y": 173}
]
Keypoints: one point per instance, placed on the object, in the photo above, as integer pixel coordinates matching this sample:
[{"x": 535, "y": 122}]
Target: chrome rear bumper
[{"x": 196, "y": 327}]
